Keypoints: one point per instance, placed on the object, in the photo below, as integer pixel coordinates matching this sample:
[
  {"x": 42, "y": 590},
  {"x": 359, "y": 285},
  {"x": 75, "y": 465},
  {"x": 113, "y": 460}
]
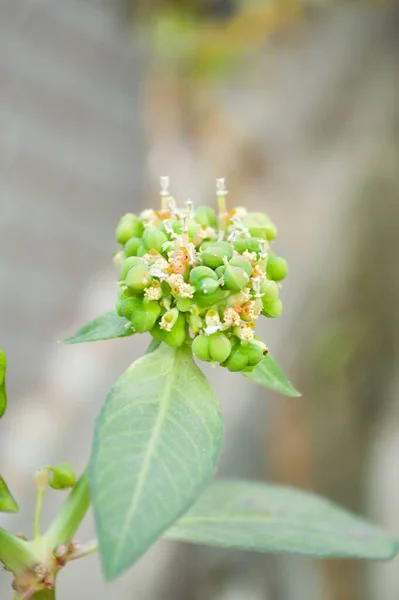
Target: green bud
[
  {"x": 277, "y": 268},
  {"x": 132, "y": 246},
  {"x": 138, "y": 278},
  {"x": 273, "y": 308},
  {"x": 250, "y": 243},
  {"x": 235, "y": 278},
  {"x": 219, "y": 347},
  {"x": 196, "y": 323},
  {"x": 205, "y": 216},
  {"x": 244, "y": 263},
  {"x": 129, "y": 226},
  {"x": 126, "y": 265},
  {"x": 269, "y": 289},
  {"x": 158, "y": 333},
  {"x": 61, "y": 477},
  {"x": 199, "y": 273},
  {"x": 184, "y": 304},
  {"x": 154, "y": 238},
  {"x": 145, "y": 315},
  {"x": 200, "y": 347},
  {"x": 214, "y": 255},
  {"x": 206, "y": 244}
]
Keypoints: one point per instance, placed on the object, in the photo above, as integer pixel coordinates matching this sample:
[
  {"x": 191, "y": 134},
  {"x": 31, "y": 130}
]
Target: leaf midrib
[{"x": 163, "y": 405}]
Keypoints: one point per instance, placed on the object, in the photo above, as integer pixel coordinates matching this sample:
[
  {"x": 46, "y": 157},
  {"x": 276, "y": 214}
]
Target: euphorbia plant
[{"x": 197, "y": 280}]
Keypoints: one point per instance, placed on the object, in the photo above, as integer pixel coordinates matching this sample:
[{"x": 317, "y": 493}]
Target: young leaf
[
  {"x": 7, "y": 502},
  {"x": 267, "y": 518},
  {"x": 3, "y": 395},
  {"x": 156, "y": 444},
  {"x": 268, "y": 374},
  {"x": 106, "y": 327}
]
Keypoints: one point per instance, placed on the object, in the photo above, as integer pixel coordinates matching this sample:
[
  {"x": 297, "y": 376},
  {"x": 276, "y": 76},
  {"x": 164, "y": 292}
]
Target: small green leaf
[
  {"x": 267, "y": 518},
  {"x": 106, "y": 327},
  {"x": 7, "y": 502},
  {"x": 268, "y": 374},
  {"x": 156, "y": 444},
  {"x": 3, "y": 395}
]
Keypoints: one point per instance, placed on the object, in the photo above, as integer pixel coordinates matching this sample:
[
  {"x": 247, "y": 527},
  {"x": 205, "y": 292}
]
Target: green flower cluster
[{"x": 200, "y": 277}]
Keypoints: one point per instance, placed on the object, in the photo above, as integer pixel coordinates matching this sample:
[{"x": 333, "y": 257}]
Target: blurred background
[{"x": 297, "y": 105}]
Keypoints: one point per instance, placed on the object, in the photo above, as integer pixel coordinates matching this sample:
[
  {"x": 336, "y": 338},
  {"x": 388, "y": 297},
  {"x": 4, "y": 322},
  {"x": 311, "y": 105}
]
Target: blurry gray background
[{"x": 306, "y": 127}]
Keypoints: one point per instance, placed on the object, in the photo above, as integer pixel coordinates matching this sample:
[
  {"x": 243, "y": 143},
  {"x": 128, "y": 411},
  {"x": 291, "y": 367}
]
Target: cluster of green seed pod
[{"x": 200, "y": 277}]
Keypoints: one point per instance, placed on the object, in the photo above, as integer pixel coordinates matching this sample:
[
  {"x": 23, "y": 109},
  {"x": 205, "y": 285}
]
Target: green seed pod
[
  {"x": 178, "y": 334},
  {"x": 206, "y": 244},
  {"x": 126, "y": 265},
  {"x": 129, "y": 226},
  {"x": 205, "y": 301},
  {"x": 125, "y": 305},
  {"x": 145, "y": 315},
  {"x": 273, "y": 308},
  {"x": 207, "y": 286},
  {"x": 220, "y": 270},
  {"x": 141, "y": 250},
  {"x": 158, "y": 333},
  {"x": 237, "y": 360},
  {"x": 138, "y": 278},
  {"x": 214, "y": 255},
  {"x": 132, "y": 246},
  {"x": 269, "y": 289},
  {"x": 61, "y": 477},
  {"x": 184, "y": 304},
  {"x": 192, "y": 228},
  {"x": 250, "y": 243},
  {"x": 277, "y": 268},
  {"x": 154, "y": 238},
  {"x": 219, "y": 347},
  {"x": 200, "y": 347},
  {"x": 254, "y": 353},
  {"x": 199, "y": 273},
  {"x": 235, "y": 278},
  {"x": 244, "y": 263},
  {"x": 260, "y": 225},
  {"x": 205, "y": 216}
]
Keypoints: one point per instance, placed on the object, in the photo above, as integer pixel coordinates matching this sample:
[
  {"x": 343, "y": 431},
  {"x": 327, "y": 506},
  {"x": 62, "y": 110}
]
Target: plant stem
[
  {"x": 84, "y": 550},
  {"x": 67, "y": 521},
  {"x": 14, "y": 552},
  {"x": 44, "y": 595}
]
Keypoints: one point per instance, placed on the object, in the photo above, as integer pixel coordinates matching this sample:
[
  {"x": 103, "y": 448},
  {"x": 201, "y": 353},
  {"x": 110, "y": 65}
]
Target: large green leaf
[
  {"x": 268, "y": 374},
  {"x": 156, "y": 444},
  {"x": 3, "y": 395},
  {"x": 7, "y": 502},
  {"x": 267, "y": 518},
  {"x": 106, "y": 327}
]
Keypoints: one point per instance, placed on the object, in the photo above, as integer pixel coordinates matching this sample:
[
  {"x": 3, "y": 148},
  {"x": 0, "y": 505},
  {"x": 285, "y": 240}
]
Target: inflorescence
[{"x": 200, "y": 277}]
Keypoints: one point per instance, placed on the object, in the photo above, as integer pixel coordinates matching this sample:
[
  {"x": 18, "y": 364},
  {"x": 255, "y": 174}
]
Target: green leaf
[
  {"x": 106, "y": 327},
  {"x": 7, "y": 502},
  {"x": 156, "y": 444},
  {"x": 267, "y": 518},
  {"x": 268, "y": 374},
  {"x": 3, "y": 395}
]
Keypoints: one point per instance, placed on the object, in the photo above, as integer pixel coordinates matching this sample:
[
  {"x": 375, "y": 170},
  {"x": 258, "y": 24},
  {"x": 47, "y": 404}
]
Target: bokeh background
[{"x": 297, "y": 105}]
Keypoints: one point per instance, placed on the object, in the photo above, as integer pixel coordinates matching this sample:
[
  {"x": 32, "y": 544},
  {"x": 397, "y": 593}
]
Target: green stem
[
  {"x": 72, "y": 513},
  {"x": 15, "y": 553},
  {"x": 44, "y": 595}
]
